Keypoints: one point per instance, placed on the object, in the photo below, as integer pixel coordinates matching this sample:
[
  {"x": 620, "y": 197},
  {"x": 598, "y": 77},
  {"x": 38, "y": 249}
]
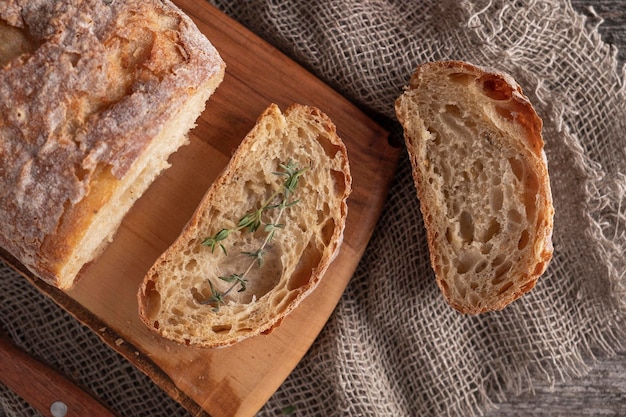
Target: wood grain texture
[
  {"x": 238, "y": 380},
  {"x": 600, "y": 393}
]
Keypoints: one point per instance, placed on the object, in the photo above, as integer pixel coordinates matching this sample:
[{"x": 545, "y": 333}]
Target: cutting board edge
[{"x": 108, "y": 336}]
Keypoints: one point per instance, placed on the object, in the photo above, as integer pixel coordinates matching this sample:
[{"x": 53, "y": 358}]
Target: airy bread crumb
[{"x": 476, "y": 150}]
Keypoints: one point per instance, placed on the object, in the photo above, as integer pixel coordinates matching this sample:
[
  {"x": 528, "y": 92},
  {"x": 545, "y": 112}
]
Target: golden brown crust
[
  {"x": 498, "y": 86},
  {"x": 80, "y": 109}
]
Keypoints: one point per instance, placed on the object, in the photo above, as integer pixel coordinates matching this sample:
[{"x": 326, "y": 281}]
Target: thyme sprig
[{"x": 253, "y": 220}]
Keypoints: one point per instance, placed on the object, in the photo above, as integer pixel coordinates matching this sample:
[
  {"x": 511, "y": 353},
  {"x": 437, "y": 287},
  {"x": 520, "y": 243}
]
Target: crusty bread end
[
  {"x": 94, "y": 98},
  {"x": 475, "y": 145}
]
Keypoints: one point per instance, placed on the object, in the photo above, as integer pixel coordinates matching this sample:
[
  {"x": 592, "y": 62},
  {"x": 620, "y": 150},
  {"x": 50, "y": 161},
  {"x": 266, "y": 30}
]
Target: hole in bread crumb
[
  {"x": 281, "y": 304},
  {"x": 461, "y": 77},
  {"x": 523, "y": 240},
  {"x": 200, "y": 296},
  {"x": 455, "y": 210},
  {"x": 151, "y": 298},
  {"x": 448, "y": 235},
  {"x": 302, "y": 133},
  {"x": 495, "y": 87},
  {"x": 498, "y": 260},
  {"x": 444, "y": 287},
  {"x": 309, "y": 259},
  {"x": 473, "y": 299},
  {"x": 480, "y": 266},
  {"x": 277, "y": 298},
  {"x": 539, "y": 268},
  {"x": 453, "y": 110},
  {"x": 517, "y": 167},
  {"x": 72, "y": 57},
  {"x": 328, "y": 230},
  {"x": 528, "y": 286},
  {"x": 434, "y": 136},
  {"x": 469, "y": 122},
  {"x": 505, "y": 288},
  {"x": 329, "y": 148},
  {"x": 466, "y": 226},
  {"x": 221, "y": 328},
  {"x": 245, "y": 330},
  {"x": 531, "y": 187},
  {"x": 514, "y": 216},
  {"x": 445, "y": 262},
  {"x": 20, "y": 115},
  {"x": 501, "y": 273},
  {"x": 463, "y": 267},
  {"x": 477, "y": 168},
  {"x": 191, "y": 264},
  {"x": 467, "y": 259},
  {"x": 80, "y": 172},
  {"x": 339, "y": 179},
  {"x": 492, "y": 230}
]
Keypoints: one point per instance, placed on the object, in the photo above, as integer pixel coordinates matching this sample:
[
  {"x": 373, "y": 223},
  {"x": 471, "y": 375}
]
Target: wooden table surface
[{"x": 603, "y": 391}]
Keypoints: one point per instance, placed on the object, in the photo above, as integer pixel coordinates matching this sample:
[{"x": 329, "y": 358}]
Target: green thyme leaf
[
  {"x": 252, "y": 221},
  {"x": 286, "y": 204},
  {"x": 236, "y": 278},
  {"x": 216, "y": 299},
  {"x": 216, "y": 240},
  {"x": 272, "y": 226},
  {"x": 257, "y": 255}
]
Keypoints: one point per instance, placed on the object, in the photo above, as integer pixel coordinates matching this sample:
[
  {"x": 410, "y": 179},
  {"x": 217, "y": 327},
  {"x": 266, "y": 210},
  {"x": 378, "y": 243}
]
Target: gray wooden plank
[{"x": 612, "y": 29}]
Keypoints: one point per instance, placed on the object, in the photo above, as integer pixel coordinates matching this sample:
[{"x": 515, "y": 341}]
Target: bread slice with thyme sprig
[
  {"x": 253, "y": 221},
  {"x": 261, "y": 238}
]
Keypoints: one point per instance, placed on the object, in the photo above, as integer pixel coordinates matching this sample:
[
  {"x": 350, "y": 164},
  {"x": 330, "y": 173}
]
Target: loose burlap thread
[{"x": 393, "y": 346}]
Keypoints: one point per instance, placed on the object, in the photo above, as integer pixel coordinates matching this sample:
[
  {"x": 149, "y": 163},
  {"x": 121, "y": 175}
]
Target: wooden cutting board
[{"x": 238, "y": 380}]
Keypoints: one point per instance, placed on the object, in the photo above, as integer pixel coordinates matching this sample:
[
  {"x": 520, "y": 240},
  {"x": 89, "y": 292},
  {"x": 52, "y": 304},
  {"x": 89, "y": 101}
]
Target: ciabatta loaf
[
  {"x": 476, "y": 150},
  {"x": 94, "y": 97},
  {"x": 261, "y": 238}
]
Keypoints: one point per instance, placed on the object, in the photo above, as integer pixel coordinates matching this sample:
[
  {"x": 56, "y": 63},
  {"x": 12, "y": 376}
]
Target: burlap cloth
[{"x": 392, "y": 346}]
